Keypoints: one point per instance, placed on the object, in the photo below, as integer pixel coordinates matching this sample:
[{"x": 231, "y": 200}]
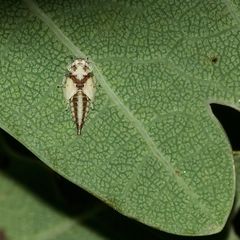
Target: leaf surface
[{"x": 151, "y": 147}]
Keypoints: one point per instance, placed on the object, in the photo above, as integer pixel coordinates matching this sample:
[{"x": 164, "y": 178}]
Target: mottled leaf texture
[{"x": 151, "y": 147}]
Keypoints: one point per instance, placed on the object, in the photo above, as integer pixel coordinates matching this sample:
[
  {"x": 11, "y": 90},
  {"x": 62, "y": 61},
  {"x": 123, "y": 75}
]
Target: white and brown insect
[{"x": 79, "y": 90}]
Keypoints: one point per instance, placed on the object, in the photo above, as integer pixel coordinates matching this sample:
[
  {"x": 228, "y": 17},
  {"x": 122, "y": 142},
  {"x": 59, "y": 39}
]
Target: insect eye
[{"x": 73, "y": 68}]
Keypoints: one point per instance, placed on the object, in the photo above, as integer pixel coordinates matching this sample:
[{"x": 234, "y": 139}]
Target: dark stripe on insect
[
  {"x": 74, "y": 103},
  {"x": 85, "y": 101},
  {"x": 80, "y": 83}
]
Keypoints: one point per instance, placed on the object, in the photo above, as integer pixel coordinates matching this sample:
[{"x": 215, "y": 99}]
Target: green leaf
[
  {"x": 25, "y": 215},
  {"x": 50, "y": 207},
  {"x": 237, "y": 167},
  {"x": 151, "y": 147},
  {"x": 233, "y": 235}
]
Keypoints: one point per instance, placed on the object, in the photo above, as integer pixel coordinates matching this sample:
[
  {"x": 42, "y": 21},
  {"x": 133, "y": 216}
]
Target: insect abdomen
[{"x": 80, "y": 108}]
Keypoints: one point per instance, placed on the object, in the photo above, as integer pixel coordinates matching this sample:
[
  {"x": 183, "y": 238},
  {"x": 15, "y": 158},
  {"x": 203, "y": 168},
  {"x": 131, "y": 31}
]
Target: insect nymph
[{"x": 79, "y": 90}]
